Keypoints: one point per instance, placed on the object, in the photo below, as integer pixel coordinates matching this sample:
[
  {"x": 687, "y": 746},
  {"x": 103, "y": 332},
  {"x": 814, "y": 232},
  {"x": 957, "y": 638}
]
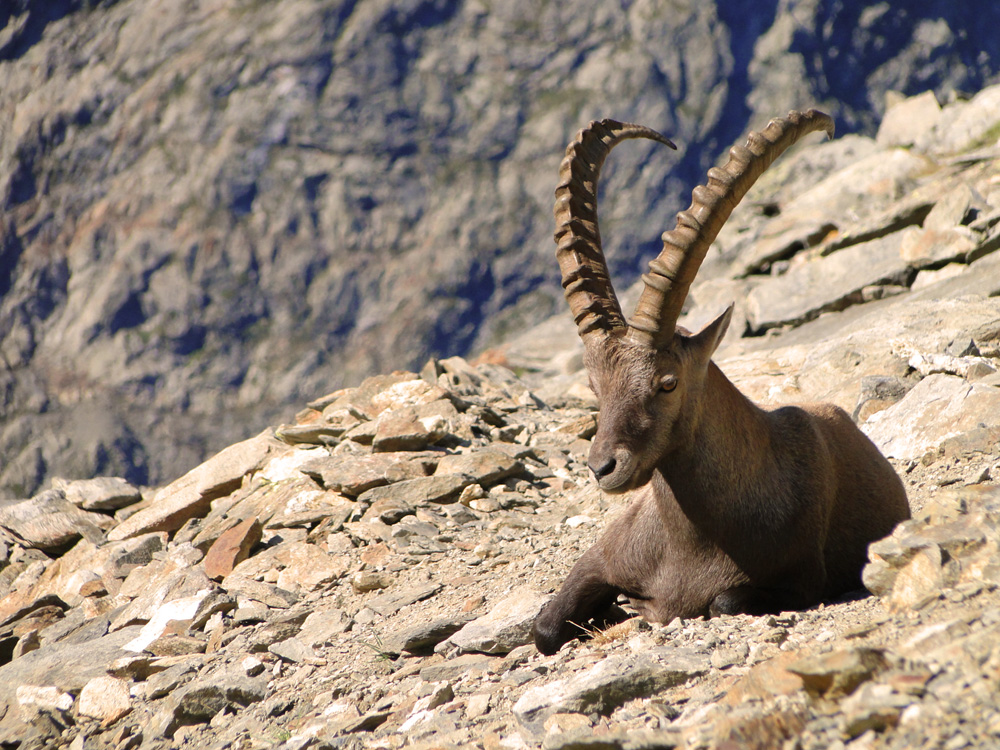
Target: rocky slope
[
  {"x": 212, "y": 211},
  {"x": 364, "y": 575}
]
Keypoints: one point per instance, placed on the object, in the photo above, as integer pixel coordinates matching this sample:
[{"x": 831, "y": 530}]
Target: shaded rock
[
  {"x": 606, "y": 686},
  {"x": 422, "y": 638},
  {"x": 192, "y": 494},
  {"x": 586, "y": 739},
  {"x": 416, "y": 492},
  {"x": 99, "y": 493},
  {"x": 873, "y": 708},
  {"x": 232, "y": 548},
  {"x": 205, "y": 697},
  {"x": 67, "y": 667},
  {"x": 507, "y": 626},
  {"x": 388, "y": 509},
  {"x": 50, "y": 521},
  {"x": 760, "y": 729},
  {"x": 838, "y": 672},
  {"x": 878, "y": 392}
]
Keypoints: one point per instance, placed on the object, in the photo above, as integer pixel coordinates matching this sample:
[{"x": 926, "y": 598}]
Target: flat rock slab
[
  {"x": 937, "y": 408},
  {"x": 68, "y": 667},
  {"x": 485, "y": 467},
  {"x": 303, "y": 567},
  {"x": 423, "y": 637},
  {"x": 417, "y": 492},
  {"x": 827, "y": 358},
  {"x": 353, "y": 475},
  {"x": 191, "y": 495},
  {"x": 864, "y": 188},
  {"x": 389, "y": 604},
  {"x": 50, "y": 521},
  {"x": 99, "y": 493},
  {"x": 607, "y": 685},
  {"x": 504, "y": 628},
  {"x": 232, "y": 548},
  {"x": 830, "y": 283}
]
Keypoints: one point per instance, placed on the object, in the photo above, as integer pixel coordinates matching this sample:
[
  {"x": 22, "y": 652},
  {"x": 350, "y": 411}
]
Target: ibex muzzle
[{"x": 736, "y": 509}]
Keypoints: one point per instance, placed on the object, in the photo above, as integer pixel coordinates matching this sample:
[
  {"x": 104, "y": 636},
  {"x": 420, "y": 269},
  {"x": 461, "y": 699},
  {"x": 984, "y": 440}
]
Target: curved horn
[
  {"x": 585, "y": 278},
  {"x": 672, "y": 272}
]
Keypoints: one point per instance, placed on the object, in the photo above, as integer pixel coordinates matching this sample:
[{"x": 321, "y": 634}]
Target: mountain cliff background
[{"x": 213, "y": 211}]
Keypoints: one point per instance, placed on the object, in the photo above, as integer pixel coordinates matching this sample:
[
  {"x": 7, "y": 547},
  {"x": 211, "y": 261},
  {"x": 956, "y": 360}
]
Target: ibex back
[{"x": 736, "y": 508}]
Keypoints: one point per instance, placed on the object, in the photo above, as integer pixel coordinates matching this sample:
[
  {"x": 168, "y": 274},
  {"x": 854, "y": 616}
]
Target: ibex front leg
[{"x": 585, "y": 594}]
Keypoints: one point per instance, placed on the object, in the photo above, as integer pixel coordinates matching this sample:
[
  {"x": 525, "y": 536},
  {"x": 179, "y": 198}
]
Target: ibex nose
[{"x": 603, "y": 467}]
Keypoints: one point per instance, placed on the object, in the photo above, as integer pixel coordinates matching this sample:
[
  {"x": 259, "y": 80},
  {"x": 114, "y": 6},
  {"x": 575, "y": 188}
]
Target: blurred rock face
[{"x": 210, "y": 213}]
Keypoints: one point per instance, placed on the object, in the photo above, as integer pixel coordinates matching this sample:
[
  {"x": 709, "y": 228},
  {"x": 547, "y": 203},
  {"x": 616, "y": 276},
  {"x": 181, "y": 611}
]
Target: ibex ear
[{"x": 707, "y": 340}]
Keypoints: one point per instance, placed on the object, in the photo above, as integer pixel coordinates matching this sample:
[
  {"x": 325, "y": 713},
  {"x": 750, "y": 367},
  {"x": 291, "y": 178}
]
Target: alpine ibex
[{"x": 737, "y": 509}]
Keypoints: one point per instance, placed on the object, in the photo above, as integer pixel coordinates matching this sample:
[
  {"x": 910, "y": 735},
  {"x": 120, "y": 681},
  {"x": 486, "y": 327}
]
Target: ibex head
[{"x": 647, "y": 374}]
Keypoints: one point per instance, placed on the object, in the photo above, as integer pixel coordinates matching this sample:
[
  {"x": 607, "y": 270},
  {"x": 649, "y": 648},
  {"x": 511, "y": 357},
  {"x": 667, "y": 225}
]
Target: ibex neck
[{"x": 727, "y": 455}]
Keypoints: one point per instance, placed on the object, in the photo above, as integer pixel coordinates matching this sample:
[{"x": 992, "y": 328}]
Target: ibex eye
[{"x": 668, "y": 383}]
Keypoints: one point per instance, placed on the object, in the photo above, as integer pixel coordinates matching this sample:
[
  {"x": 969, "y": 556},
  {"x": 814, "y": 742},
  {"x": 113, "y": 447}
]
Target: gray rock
[
  {"x": 293, "y": 650},
  {"x": 937, "y": 408},
  {"x": 962, "y": 125},
  {"x": 353, "y": 475},
  {"x": 830, "y": 283},
  {"x": 586, "y": 739},
  {"x": 68, "y": 667},
  {"x": 417, "y": 492},
  {"x": 484, "y": 467},
  {"x": 606, "y": 686},
  {"x": 99, "y": 493},
  {"x": 909, "y": 120},
  {"x": 191, "y": 495},
  {"x": 504, "y": 628},
  {"x": 422, "y": 638},
  {"x": 392, "y": 602},
  {"x": 50, "y": 521},
  {"x": 324, "y": 628},
  {"x": 452, "y": 669},
  {"x": 265, "y": 593}
]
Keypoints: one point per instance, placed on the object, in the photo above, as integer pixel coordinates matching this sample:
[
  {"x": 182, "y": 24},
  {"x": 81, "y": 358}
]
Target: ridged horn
[
  {"x": 673, "y": 271},
  {"x": 585, "y": 278}
]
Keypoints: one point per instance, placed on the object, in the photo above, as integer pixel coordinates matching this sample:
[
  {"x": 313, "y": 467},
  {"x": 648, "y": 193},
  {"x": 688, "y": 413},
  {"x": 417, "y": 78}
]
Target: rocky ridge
[
  {"x": 365, "y": 575},
  {"x": 212, "y": 211}
]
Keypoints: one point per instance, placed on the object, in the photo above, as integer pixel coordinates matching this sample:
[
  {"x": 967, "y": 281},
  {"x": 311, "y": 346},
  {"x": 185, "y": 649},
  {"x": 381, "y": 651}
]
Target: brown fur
[{"x": 736, "y": 508}]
